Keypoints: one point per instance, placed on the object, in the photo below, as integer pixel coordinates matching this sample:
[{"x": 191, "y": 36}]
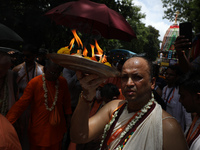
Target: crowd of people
[{"x": 44, "y": 106}]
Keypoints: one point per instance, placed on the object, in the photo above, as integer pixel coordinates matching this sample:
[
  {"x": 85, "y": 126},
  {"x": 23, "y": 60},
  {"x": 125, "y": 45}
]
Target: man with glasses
[{"x": 171, "y": 97}]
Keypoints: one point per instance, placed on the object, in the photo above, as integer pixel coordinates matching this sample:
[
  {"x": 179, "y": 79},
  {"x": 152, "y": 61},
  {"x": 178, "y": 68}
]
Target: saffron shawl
[{"x": 148, "y": 135}]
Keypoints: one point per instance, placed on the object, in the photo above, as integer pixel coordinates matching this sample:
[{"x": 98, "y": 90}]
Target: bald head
[{"x": 136, "y": 61}]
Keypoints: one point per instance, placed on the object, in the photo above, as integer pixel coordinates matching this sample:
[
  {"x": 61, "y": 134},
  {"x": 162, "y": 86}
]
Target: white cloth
[
  {"x": 22, "y": 74},
  {"x": 176, "y": 109},
  {"x": 196, "y": 143},
  {"x": 148, "y": 135}
]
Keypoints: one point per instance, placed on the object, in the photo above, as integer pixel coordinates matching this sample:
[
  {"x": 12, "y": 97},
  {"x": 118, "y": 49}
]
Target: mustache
[{"x": 131, "y": 89}]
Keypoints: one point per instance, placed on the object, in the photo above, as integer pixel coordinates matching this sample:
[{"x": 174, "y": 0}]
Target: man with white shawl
[
  {"x": 135, "y": 123},
  {"x": 26, "y": 71},
  {"x": 29, "y": 68}
]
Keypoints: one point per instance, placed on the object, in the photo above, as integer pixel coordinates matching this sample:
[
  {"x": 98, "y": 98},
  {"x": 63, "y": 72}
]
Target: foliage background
[
  {"x": 189, "y": 11},
  {"x": 26, "y": 17}
]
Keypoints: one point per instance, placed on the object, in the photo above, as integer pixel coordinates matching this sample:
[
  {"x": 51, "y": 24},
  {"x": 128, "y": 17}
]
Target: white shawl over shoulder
[{"x": 148, "y": 135}]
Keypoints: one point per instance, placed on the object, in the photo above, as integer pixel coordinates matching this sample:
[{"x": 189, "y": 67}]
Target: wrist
[{"x": 85, "y": 98}]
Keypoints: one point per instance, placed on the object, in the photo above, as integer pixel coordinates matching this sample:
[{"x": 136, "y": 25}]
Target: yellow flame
[
  {"x": 104, "y": 59},
  {"x": 78, "y": 40},
  {"x": 85, "y": 52},
  {"x": 100, "y": 51},
  {"x": 92, "y": 48},
  {"x": 71, "y": 43}
]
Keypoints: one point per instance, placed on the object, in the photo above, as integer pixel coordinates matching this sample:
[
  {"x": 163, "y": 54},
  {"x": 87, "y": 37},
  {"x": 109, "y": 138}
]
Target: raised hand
[
  {"x": 182, "y": 44},
  {"x": 89, "y": 83}
]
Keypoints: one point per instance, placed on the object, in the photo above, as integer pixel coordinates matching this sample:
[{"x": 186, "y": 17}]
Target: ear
[{"x": 153, "y": 83}]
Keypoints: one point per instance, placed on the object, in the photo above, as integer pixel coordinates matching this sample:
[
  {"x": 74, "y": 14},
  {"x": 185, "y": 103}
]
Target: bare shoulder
[
  {"x": 18, "y": 67},
  {"x": 114, "y": 104},
  {"x": 107, "y": 110},
  {"x": 173, "y": 136}
]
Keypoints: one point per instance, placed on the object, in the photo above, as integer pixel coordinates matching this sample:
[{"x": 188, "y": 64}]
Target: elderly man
[
  {"x": 135, "y": 123},
  {"x": 49, "y": 98}
]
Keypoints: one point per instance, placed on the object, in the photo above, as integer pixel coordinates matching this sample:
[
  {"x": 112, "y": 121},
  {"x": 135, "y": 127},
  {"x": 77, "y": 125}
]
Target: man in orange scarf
[{"x": 50, "y": 100}]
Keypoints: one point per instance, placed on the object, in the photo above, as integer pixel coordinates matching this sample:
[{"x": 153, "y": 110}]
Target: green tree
[
  {"x": 151, "y": 48},
  {"x": 189, "y": 11},
  {"x": 26, "y": 17}
]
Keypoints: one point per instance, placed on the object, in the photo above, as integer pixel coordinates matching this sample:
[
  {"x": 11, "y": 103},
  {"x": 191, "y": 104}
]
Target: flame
[
  {"x": 85, "y": 52},
  {"x": 78, "y": 40},
  {"x": 100, "y": 51},
  {"x": 92, "y": 48},
  {"x": 71, "y": 44},
  {"x": 104, "y": 59}
]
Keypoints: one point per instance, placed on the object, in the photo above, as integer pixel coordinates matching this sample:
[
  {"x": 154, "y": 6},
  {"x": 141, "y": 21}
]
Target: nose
[{"x": 130, "y": 82}]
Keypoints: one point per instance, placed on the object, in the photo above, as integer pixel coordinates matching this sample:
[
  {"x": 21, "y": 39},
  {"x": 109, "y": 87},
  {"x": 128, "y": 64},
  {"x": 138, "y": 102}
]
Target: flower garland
[
  {"x": 130, "y": 125},
  {"x": 46, "y": 95}
]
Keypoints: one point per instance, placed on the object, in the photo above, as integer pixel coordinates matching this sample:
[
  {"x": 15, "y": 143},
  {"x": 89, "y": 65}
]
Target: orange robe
[
  {"x": 8, "y": 136},
  {"x": 41, "y": 132}
]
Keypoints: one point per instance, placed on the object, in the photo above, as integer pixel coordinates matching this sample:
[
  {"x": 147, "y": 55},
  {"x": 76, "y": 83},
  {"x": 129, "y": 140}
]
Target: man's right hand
[{"x": 89, "y": 83}]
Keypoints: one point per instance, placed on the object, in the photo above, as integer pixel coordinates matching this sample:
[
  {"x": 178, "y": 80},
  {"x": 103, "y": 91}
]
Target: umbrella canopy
[
  {"x": 170, "y": 37},
  {"x": 91, "y": 17},
  {"x": 6, "y": 34}
]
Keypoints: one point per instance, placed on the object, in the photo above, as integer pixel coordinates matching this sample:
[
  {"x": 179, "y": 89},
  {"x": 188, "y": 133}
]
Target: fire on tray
[{"x": 82, "y": 50}]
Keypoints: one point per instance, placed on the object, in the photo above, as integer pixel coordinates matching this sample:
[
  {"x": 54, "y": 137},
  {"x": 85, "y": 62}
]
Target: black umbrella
[
  {"x": 7, "y": 34},
  {"x": 8, "y": 50}
]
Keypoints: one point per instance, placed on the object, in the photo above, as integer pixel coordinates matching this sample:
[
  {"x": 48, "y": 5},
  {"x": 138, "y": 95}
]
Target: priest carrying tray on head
[{"x": 137, "y": 123}]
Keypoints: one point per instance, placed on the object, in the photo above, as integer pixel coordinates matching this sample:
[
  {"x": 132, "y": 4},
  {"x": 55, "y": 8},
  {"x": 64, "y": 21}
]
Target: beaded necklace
[
  {"x": 125, "y": 129},
  {"x": 46, "y": 94}
]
